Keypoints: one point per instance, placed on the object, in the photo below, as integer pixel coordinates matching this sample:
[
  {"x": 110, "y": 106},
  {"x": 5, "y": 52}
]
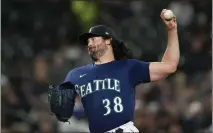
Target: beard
[
  {"x": 93, "y": 56},
  {"x": 97, "y": 52}
]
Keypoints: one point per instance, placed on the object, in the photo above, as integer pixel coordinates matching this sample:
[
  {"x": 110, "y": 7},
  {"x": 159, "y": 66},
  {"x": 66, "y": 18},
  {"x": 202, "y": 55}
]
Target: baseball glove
[{"x": 61, "y": 99}]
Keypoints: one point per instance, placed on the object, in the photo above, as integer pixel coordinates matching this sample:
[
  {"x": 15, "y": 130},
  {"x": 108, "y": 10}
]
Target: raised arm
[{"x": 169, "y": 62}]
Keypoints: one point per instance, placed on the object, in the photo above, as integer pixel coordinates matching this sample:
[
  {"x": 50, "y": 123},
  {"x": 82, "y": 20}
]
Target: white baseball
[{"x": 168, "y": 15}]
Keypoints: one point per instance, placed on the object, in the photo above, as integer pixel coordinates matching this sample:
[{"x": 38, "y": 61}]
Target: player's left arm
[{"x": 170, "y": 60}]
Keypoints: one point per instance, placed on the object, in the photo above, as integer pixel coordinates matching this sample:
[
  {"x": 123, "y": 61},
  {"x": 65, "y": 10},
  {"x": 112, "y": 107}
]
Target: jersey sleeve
[
  {"x": 140, "y": 72},
  {"x": 70, "y": 77}
]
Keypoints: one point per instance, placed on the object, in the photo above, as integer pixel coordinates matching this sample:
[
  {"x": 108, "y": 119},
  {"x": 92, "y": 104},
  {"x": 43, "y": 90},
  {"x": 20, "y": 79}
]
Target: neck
[{"x": 105, "y": 59}]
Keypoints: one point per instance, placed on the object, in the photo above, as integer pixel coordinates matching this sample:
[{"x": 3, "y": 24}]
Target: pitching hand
[{"x": 171, "y": 24}]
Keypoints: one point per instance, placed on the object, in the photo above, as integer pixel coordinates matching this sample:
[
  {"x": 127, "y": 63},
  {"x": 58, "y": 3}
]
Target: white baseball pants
[{"x": 126, "y": 128}]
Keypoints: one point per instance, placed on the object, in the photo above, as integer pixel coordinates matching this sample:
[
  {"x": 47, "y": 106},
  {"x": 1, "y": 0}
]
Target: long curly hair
[{"x": 120, "y": 50}]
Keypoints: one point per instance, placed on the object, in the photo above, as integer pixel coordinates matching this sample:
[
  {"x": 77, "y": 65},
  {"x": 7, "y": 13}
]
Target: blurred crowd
[{"x": 39, "y": 47}]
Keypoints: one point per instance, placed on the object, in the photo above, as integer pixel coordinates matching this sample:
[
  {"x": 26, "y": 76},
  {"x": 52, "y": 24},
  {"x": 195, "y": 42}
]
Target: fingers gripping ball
[
  {"x": 168, "y": 15},
  {"x": 61, "y": 99}
]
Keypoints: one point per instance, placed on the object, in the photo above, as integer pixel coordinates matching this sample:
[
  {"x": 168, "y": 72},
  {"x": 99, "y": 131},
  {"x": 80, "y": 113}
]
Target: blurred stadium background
[{"x": 39, "y": 46}]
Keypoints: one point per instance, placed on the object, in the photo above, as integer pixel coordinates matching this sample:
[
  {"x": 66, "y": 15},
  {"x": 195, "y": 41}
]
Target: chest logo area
[
  {"x": 82, "y": 75},
  {"x": 97, "y": 85}
]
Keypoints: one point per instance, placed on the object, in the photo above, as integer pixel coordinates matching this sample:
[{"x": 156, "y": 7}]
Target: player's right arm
[
  {"x": 169, "y": 62},
  {"x": 145, "y": 72}
]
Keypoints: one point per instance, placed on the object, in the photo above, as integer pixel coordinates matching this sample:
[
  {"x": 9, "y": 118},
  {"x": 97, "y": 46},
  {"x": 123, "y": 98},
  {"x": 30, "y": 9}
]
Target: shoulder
[
  {"x": 74, "y": 73},
  {"x": 135, "y": 64},
  {"x": 79, "y": 70},
  {"x": 128, "y": 62},
  {"x": 132, "y": 62},
  {"x": 136, "y": 61}
]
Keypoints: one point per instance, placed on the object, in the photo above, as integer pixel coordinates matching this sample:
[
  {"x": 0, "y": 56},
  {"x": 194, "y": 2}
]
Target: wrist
[{"x": 172, "y": 30}]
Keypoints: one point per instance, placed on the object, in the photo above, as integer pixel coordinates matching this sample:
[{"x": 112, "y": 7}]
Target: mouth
[{"x": 91, "y": 49}]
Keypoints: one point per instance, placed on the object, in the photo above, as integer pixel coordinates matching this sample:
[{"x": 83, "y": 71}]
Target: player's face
[{"x": 97, "y": 47}]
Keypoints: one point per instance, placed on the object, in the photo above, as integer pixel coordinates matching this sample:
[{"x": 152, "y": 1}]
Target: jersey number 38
[{"x": 117, "y": 105}]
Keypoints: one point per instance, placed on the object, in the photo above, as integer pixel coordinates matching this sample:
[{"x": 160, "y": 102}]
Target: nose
[{"x": 90, "y": 42}]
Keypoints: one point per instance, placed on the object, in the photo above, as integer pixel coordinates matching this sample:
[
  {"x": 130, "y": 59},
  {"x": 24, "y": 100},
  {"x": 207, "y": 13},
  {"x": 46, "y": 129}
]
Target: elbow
[{"x": 173, "y": 69}]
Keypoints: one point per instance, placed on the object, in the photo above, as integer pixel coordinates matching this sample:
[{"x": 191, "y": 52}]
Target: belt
[{"x": 119, "y": 130}]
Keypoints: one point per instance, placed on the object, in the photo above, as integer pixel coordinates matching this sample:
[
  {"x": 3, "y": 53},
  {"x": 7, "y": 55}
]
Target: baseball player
[{"x": 107, "y": 86}]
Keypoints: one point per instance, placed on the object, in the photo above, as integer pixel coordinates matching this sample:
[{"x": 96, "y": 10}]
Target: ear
[{"x": 108, "y": 41}]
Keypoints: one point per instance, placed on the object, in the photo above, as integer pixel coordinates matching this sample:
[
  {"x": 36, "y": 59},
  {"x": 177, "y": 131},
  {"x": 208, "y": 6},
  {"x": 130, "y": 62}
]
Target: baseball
[{"x": 168, "y": 15}]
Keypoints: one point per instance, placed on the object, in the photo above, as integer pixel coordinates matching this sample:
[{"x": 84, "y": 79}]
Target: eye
[{"x": 89, "y": 40}]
